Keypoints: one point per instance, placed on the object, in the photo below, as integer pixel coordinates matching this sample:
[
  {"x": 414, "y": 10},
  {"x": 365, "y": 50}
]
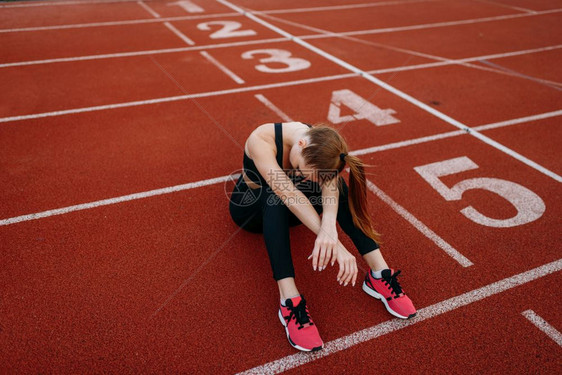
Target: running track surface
[{"x": 120, "y": 122}]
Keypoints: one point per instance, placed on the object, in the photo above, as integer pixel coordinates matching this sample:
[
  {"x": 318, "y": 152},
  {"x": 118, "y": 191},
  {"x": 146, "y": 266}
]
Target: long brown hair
[{"x": 323, "y": 154}]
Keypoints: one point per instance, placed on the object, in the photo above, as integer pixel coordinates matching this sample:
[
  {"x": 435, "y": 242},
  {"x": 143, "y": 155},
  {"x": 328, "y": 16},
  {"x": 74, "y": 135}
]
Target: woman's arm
[
  {"x": 330, "y": 196},
  {"x": 282, "y": 186},
  {"x": 298, "y": 204},
  {"x": 329, "y": 234},
  {"x": 326, "y": 244}
]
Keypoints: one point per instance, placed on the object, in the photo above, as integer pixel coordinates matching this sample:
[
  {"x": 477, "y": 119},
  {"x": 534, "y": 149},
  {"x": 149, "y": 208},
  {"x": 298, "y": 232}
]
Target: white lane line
[
  {"x": 223, "y": 92},
  {"x": 222, "y": 15},
  {"x": 217, "y": 15},
  {"x": 467, "y": 59},
  {"x": 273, "y": 107},
  {"x": 106, "y": 202},
  {"x": 273, "y": 40},
  {"x": 408, "y": 142},
  {"x": 512, "y": 7},
  {"x": 148, "y": 9},
  {"x": 55, "y": 3},
  {"x": 143, "y": 53},
  {"x": 515, "y": 155},
  {"x": 181, "y": 18},
  {"x": 270, "y": 40},
  {"x": 545, "y": 82},
  {"x": 421, "y": 227},
  {"x": 440, "y": 24},
  {"x": 394, "y": 325},
  {"x": 176, "y": 98},
  {"x": 492, "y": 67},
  {"x": 179, "y": 34},
  {"x": 543, "y": 325},
  {"x": 224, "y": 69},
  {"x": 396, "y": 92},
  {"x": 152, "y": 12},
  {"x": 518, "y": 120},
  {"x": 290, "y": 83},
  {"x": 118, "y": 23},
  {"x": 345, "y": 7},
  {"x": 171, "y": 189},
  {"x": 455, "y": 133}
]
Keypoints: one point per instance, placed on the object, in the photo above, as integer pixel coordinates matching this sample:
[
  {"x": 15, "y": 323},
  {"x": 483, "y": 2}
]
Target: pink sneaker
[
  {"x": 388, "y": 290},
  {"x": 301, "y": 330}
]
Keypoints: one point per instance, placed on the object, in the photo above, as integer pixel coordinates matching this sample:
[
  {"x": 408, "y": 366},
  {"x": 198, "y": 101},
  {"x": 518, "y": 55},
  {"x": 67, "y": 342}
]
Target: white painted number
[
  {"x": 229, "y": 29},
  {"x": 277, "y": 56},
  {"x": 362, "y": 108},
  {"x": 529, "y": 206},
  {"x": 188, "y": 6}
]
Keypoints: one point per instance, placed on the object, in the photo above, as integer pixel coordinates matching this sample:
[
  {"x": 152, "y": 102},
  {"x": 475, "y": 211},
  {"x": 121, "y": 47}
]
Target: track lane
[
  {"x": 49, "y": 44},
  {"x": 90, "y": 83},
  {"x": 368, "y": 57},
  {"x": 90, "y": 304},
  {"x": 296, "y": 4},
  {"x": 15, "y": 17},
  {"x": 104, "y": 320},
  {"x": 541, "y": 65},
  {"x": 473, "y": 339},
  {"x": 539, "y": 141},
  {"x": 91, "y": 282},
  {"x": 92, "y": 156},
  {"x": 392, "y": 15},
  {"x": 484, "y": 96},
  {"x": 483, "y": 38},
  {"x": 530, "y": 4}
]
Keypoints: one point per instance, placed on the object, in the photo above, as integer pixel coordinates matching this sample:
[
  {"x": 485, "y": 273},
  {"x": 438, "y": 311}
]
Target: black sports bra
[{"x": 250, "y": 168}]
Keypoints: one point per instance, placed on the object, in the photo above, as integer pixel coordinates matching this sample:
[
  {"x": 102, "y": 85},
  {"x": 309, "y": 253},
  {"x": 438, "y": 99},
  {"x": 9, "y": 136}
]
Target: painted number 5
[
  {"x": 277, "y": 56},
  {"x": 529, "y": 206}
]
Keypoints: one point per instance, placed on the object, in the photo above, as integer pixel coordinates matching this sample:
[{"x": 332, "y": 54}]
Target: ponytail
[{"x": 358, "y": 197}]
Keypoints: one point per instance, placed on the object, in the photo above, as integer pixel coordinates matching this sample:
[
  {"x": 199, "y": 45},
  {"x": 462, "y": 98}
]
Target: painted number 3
[
  {"x": 529, "y": 205},
  {"x": 276, "y": 57}
]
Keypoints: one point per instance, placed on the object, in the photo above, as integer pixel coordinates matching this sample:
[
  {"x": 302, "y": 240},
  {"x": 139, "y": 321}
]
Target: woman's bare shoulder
[{"x": 262, "y": 136}]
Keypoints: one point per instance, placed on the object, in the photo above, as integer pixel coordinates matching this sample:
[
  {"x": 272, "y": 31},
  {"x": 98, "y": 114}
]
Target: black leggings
[{"x": 262, "y": 211}]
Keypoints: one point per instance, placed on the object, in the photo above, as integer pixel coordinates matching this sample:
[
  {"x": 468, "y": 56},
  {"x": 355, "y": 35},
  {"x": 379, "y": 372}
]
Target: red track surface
[{"x": 167, "y": 283}]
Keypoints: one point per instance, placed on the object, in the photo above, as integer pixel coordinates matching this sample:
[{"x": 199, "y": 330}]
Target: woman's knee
[{"x": 249, "y": 221}]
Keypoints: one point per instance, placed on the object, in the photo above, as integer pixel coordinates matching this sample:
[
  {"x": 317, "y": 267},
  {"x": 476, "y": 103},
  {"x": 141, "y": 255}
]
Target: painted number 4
[
  {"x": 362, "y": 109},
  {"x": 529, "y": 205}
]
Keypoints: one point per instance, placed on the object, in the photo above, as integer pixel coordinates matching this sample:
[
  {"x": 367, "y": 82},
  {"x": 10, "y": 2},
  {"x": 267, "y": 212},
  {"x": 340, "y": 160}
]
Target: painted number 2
[
  {"x": 529, "y": 205},
  {"x": 277, "y": 56},
  {"x": 229, "y": 29}
]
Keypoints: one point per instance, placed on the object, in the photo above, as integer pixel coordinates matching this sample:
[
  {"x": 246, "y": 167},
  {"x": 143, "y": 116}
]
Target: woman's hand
[
  {"x": 325, "y": 247},
  {"x": 348, "y": 267}
]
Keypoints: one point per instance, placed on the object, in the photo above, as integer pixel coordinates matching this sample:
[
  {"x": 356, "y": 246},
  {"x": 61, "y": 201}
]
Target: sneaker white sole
[
  {"x": 376, "y": 295},
  {"x": 291, "y": 341}
]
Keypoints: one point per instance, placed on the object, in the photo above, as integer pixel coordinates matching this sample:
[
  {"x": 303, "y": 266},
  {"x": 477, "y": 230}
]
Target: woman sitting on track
[{"x": 291, "y": 175}]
